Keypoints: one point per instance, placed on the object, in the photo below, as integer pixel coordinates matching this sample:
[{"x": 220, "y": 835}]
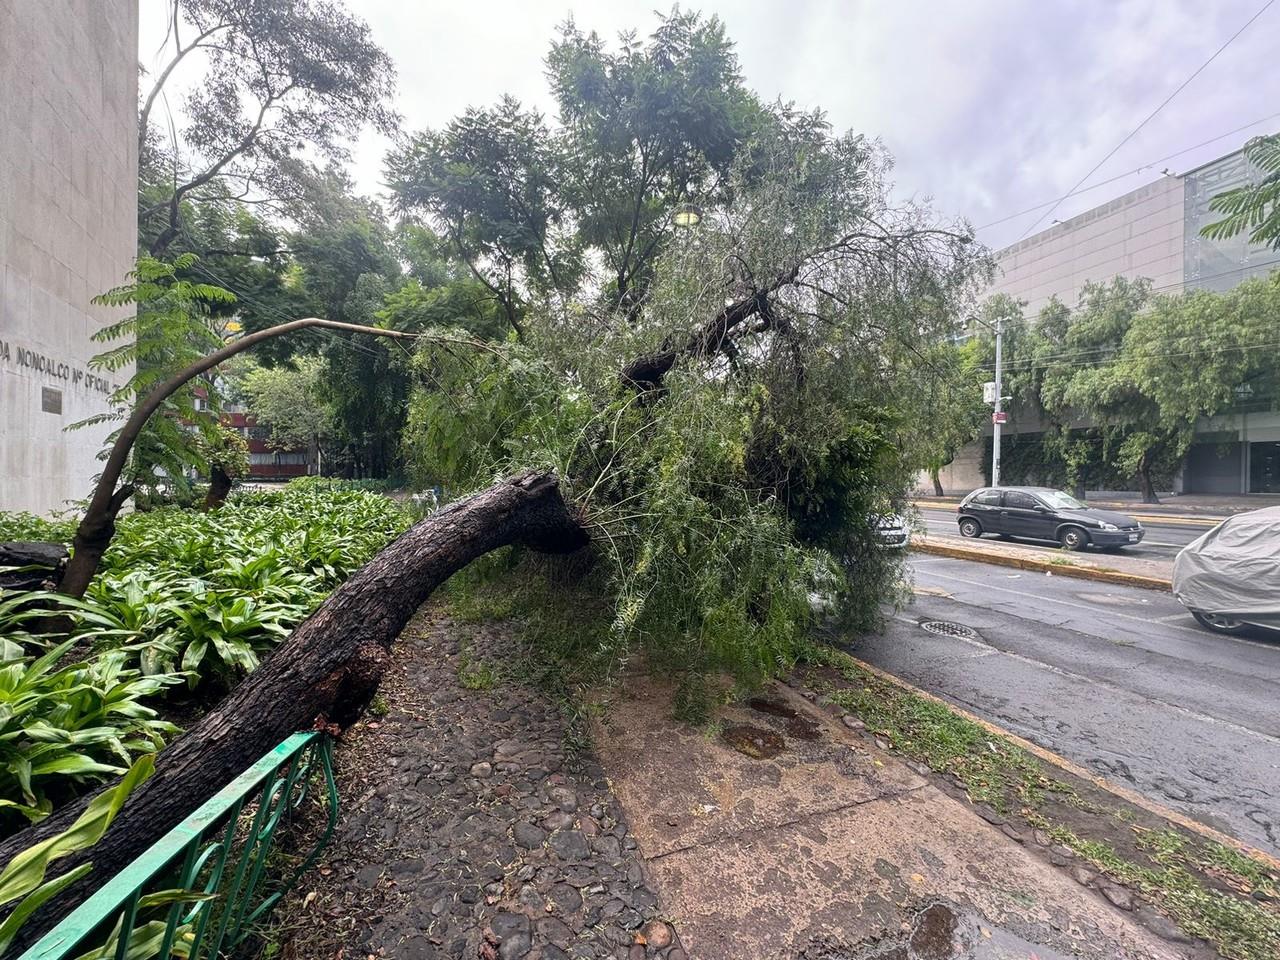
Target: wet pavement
[
  {"x": 783, "y": 834},
  {"x": 1120, "y": 680},
  {"x": 944, "y": 931}
]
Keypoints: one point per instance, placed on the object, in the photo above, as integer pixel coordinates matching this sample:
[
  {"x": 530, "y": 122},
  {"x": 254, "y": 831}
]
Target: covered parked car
[
  {"x": 1229, "y": 578},
  {"x": 1042, "y": 513}
]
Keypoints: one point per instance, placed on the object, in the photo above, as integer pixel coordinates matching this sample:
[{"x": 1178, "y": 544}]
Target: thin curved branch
[{"x": 96, "y": 529}]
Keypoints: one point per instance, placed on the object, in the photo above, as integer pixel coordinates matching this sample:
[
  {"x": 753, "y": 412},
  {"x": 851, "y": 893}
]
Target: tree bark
[
  {"x": 937, "y": 482},
  {"x": 219, "y": 487},
  {"x": 645, "y": 373},
  {"x": 325, "y": 673},
  {"x": 1144, "y": 481}
]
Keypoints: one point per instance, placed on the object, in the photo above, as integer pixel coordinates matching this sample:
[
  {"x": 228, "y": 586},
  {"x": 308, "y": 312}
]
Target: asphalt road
[
  {"x": 1118, "y": 679},
  {"x": 1162, "y": 541}
]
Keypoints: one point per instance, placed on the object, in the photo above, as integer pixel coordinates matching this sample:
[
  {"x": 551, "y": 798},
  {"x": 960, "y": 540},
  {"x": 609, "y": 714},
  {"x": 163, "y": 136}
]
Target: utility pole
[{"x": 997, "y": 418}]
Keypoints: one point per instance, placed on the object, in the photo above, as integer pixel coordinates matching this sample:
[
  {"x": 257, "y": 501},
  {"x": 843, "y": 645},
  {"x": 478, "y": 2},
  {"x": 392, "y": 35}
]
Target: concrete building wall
[
  {"x": 68, "y": 231},
  {"x": 1139, "y": 234}
]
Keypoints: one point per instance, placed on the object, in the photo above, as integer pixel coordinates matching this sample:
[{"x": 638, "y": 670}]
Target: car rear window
[{"x": 990, "y": 498}]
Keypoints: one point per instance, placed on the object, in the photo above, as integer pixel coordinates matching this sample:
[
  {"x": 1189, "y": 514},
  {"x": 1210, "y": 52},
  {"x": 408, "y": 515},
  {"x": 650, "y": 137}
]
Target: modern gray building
[
  {"x": 68, "y": 231},
  {"x": 1152, "y": 232}
]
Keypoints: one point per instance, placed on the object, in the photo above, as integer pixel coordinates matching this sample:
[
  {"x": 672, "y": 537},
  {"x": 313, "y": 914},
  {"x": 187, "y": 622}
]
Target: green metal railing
[{"x": 201, "y": 889}]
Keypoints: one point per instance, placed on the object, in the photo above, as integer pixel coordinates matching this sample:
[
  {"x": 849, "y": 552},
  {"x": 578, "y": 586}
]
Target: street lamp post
[
  {"x": 993, "y": 393},
  {"x": 997, "y": 417}
]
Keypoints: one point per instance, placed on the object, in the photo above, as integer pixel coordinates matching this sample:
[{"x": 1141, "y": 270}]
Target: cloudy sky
[{"x": 991, "y": 107}]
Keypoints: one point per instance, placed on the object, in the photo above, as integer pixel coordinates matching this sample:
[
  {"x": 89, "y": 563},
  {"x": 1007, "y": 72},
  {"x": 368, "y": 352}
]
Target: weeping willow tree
[{"x": 728, "y": 445}]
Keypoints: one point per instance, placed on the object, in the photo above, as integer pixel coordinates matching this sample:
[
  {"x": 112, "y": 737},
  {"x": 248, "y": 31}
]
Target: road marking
[
  {"x": 1083, "y": 606},
  {"x": 931, "y": 592}
]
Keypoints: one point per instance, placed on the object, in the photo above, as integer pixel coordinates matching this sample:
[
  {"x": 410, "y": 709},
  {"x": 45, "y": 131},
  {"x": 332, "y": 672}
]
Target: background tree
[
  {"x": 173, "y": 325},
  {"x": 948, "y": 411},
  {"x": 642, "y": 129},
  {"x": 280, "y": 80},
  {"x": 646, "y": 127},
  {"x": 489, "y": 180},
  {"x": 287, "y": 400},
  {"x": 1200, "y": 353},
  {"x": 1092, "y": 378}
]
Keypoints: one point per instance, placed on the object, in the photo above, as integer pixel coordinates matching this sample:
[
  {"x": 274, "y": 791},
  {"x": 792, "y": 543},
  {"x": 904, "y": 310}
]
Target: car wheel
[
  {"x": 1218, "y": 623},
  {"x": 970, "y": 527},
  {"x": 1073, "y": 538}
]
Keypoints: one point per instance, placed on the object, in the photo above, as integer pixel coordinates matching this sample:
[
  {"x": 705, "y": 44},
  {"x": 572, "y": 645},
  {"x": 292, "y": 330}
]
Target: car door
[
  {"x": 1021, "y": 518},
  {"x": 985, "y": 508}
]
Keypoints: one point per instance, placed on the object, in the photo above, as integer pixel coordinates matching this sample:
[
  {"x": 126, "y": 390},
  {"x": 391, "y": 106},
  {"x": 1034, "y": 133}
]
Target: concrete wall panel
[{"x": 68, "y": 187}]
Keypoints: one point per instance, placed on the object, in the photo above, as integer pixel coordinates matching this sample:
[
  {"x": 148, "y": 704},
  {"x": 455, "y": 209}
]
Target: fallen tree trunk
[{"x": 325, "y": 673}]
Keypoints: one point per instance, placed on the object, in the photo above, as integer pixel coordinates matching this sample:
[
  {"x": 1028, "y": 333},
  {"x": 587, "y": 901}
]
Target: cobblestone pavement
[{"x": 467, "y": 827}]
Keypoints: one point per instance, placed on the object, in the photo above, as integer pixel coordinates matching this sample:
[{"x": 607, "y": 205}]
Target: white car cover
[{"x": 1234, "y": 568}]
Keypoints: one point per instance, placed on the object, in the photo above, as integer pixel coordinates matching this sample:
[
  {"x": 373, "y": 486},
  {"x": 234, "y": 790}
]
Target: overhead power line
[
  {"x": 1147, "y": 119},
  {"x": 1127, "y": 173}
]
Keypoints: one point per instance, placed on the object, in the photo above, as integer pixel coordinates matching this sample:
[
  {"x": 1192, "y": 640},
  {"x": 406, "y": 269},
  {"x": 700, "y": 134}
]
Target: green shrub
[
  {"x": 27, "y": 526},
  {"x": 180, "y": 595},
  {"x": 64, "y": 727}
]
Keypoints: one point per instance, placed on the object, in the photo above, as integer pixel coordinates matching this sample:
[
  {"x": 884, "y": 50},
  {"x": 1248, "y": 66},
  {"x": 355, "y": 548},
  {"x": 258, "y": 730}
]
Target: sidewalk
[
  {"x": 471, "y": 826},
  {"x": 1192, "y": 506},
  {"x": 794, "y": 834}
]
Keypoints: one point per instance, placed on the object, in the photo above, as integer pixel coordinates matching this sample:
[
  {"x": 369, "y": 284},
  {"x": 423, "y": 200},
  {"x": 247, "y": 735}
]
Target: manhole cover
[{"x": 945, "y": 628}]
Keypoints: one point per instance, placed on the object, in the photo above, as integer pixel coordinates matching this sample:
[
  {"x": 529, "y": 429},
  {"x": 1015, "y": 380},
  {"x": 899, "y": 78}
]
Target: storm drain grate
[{"x": 945, "y": 628}]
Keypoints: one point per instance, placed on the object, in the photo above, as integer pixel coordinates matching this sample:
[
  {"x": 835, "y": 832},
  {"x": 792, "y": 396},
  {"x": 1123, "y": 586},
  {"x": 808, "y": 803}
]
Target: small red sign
[{"x": 1001, "y": 417}]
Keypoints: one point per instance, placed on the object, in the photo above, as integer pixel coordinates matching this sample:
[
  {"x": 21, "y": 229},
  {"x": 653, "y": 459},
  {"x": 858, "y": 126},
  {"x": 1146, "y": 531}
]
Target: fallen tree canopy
[
  {"x": 324, "y": 674},
  {"x": 725, "y": 442}
]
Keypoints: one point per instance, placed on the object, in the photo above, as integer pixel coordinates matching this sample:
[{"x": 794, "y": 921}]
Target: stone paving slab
[
  {"x": 469, "y": 829},
  {"x": 734, "y": 794},
  {"x": 849, "y": 866}
]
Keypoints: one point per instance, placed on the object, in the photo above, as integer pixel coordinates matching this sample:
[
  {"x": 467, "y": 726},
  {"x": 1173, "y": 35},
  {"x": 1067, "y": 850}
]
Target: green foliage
[
  {"x": 24, "y": 876},
  {"x": 27, "y": 526},
  {"x": 223, "y": 448},
  {"x": 1141, "y": 370},
  {"x": 179, "y": 596},
  {"x": 643, "y": 128},
  {"x": 489, "y": 178},
  {"x": 1254, "y": 207},
  {"x": 62, "y": 727},
  {"x": 287, "y": 401},
  {"x": 719, "y": 503},
  {"x": 278, "y": 81},
  {"x": 170, "y": 328}
]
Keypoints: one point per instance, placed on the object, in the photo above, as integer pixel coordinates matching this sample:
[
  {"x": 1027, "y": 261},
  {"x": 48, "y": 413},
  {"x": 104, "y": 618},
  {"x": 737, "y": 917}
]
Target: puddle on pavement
[
  {"x": 753, "y": 741},
  {"x": 802, "y": 728},
  {"x": 773, "y": 707},
  {"x": 944, "y": 932}
]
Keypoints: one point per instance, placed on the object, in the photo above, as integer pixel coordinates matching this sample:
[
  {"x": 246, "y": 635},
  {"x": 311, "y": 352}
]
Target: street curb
[
  {"x": 957, "y": 552},
  {"x": 1179, "y": 521},
  {"x": 1048, "y": 756}
]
